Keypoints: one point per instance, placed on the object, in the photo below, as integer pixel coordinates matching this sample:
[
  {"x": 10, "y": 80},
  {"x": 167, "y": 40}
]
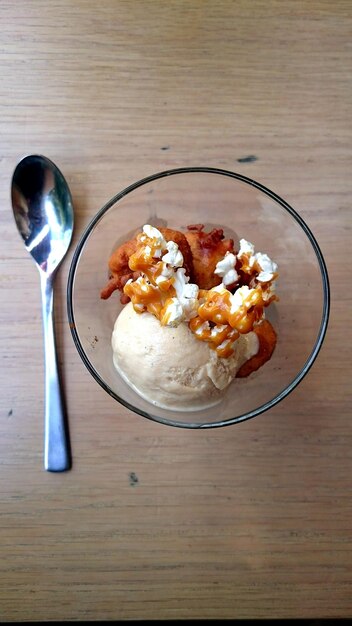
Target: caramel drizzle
[
  {"x": 147, "y": 293},
  {"x": 215, "y": 323}
]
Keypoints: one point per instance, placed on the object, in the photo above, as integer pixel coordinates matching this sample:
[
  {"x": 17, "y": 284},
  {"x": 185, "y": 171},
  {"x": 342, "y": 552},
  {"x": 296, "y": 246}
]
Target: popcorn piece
[
  {"x": 226, "y": 269},
  {"x": 173, "y": 256}
]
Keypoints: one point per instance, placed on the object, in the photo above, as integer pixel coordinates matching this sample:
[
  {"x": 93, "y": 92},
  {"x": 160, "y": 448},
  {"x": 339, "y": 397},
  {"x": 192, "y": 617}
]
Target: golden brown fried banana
[
  {"x": 207, "y": 250},
  {"x": 267, "y": 342},
  {"x": 120, "y": 272}
]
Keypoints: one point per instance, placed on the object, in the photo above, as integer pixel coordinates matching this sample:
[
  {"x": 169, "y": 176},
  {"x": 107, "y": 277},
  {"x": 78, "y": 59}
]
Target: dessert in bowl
[{"x": 198, "y": 298}]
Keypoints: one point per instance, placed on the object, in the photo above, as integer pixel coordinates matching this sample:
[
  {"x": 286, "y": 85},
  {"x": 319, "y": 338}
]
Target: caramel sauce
[
  {"x": 152, "y": 294},
  {"x": 215, "y": 336},
  {"x": 150, "y": 297},
  {"x": 149, "y": 293},
  {"x": 246, "y": 267},
  {"x": 216, "y": 308}
]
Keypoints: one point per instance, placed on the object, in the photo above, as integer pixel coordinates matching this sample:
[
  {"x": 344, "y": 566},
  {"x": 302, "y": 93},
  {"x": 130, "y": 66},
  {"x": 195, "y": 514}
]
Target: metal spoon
[{"x": 42, "y": 207}]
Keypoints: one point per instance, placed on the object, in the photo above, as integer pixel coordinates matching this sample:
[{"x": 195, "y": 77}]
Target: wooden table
[{"x": 250, "y": 521}]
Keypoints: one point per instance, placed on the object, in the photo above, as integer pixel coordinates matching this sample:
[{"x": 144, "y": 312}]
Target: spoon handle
[{"x": 57, "y": 456}]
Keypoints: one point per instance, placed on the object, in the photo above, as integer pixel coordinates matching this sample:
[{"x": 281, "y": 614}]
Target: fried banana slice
[
  {"x": 267, "y": 342},
  {"x": 207, "y": 250},
  {"x": 119, "y": 269}
]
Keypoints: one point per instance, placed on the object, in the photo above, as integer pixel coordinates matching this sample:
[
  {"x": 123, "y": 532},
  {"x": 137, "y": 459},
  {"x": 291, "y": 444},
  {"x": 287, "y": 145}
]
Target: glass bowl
[{"x": 244, "y": 209}]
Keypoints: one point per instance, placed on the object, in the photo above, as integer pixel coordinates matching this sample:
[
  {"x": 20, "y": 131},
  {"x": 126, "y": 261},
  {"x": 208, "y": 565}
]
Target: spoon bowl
[{"x": 43, "y": 211}]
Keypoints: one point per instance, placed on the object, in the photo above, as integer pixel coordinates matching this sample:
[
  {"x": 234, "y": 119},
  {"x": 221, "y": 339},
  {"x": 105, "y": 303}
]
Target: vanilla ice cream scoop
[{"x": 168, "y": 366}]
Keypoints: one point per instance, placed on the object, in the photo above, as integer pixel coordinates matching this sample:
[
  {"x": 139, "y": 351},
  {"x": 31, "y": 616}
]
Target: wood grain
[{"x": 252, "y": 521}]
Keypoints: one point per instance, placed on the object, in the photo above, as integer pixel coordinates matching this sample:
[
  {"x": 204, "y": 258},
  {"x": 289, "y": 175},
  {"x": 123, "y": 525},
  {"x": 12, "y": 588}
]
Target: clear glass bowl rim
[{"x": 324, "y": 275}]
